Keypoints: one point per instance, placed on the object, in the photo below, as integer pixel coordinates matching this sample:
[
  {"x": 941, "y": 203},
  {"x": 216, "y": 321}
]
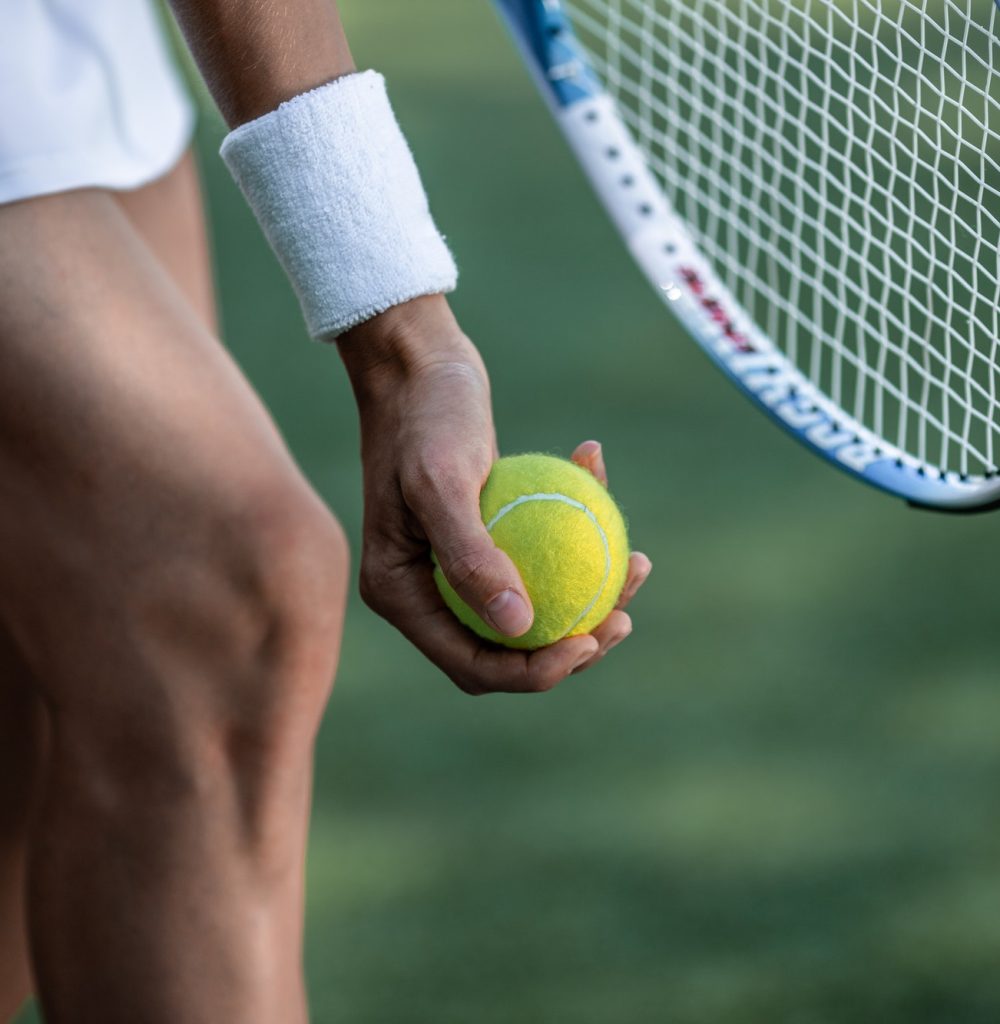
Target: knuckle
[
  {"x": 445, "y": 473},
  {"x": 378, "y": 580},
  {"x": 470, "y": 687},
  {"x": 438, "y": 471},
  {"x": 470, "y": 681},
  {"x": 542, "y": 681},
  {"x": 368, "y": 593},
  {"x": 371, "y": 587},
  {"x": 467, "y": 570}
]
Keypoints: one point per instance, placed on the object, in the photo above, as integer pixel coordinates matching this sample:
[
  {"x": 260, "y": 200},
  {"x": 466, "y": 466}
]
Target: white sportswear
[
  {"x": 333, "y": 184},
  {"x": 89, "y": 97}
]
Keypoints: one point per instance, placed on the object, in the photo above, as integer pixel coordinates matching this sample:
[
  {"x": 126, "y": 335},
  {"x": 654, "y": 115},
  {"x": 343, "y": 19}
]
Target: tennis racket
[{"x": 813, "y": 187}]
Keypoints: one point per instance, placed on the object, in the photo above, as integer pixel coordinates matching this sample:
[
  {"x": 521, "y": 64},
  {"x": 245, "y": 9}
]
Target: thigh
[
  {"x": 169, "y": 215},
  {"x": 125, "y": 428},
  {"x": 21, "y": 743}
]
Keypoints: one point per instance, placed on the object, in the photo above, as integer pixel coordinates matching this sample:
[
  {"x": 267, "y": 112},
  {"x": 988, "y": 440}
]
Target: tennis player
[{"x": 171, "y": 589}]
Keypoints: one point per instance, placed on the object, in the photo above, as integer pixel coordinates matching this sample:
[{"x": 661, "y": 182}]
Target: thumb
[{"x": 481, "y": 574}]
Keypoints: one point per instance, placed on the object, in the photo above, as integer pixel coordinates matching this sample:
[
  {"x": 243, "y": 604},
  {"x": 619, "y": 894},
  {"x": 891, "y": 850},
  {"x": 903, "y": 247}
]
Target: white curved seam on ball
[{"x": 566, "y": 500}]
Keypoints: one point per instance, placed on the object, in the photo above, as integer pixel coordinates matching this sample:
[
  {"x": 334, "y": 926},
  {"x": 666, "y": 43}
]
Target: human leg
[
  {"x": 168, "y": 216},
  {"x": 176, "y": 591},
  {"x": 21, "y": 745}
]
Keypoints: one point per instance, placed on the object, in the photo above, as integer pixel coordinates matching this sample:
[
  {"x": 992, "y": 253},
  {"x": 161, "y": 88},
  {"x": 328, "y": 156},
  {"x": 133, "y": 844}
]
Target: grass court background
[{"x": 778, "y": 802}]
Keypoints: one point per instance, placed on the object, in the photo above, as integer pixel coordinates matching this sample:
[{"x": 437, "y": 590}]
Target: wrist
[
  {"x": 333, "y": 183},
  {"x": 404, "y": 339}
]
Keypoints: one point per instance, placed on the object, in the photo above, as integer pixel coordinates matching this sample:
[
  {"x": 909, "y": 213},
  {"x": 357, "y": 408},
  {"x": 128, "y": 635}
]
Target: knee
[
  {"x": 263, "y": 589},
  {"x": 277, "y": 601},
  {"x": 274, "y": 592},
  {"x": 225, "y": 656}
]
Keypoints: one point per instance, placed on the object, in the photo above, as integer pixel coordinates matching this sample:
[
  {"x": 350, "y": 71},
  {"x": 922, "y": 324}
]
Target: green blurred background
[{"x": 778, "y": 802}]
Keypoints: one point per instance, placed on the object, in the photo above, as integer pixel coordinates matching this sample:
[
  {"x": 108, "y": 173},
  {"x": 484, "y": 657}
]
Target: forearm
[
  {"x": 301, "y": 171},
  {"x": 255, "y": 54}
]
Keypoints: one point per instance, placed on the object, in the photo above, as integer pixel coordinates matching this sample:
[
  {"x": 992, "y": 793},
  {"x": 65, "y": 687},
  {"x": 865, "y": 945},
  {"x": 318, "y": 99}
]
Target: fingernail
[
  {"x": 590, "y": 447},
  {"x": 508, "y": 613}
]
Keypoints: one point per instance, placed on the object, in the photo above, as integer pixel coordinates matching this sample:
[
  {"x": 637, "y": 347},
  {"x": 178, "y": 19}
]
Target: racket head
[{"x": 666, "y": 249}]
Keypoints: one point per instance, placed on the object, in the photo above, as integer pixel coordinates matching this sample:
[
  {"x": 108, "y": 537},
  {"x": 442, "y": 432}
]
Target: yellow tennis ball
[{"x": 567, "y": 538}]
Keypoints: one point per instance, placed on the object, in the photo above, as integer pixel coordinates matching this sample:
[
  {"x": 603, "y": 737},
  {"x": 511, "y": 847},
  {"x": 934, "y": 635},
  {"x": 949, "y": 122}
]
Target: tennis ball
[{"x": 567, "y": 538}]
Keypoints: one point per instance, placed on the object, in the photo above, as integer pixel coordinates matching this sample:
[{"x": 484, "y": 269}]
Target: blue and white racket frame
[{"x": 662, "y": 245}]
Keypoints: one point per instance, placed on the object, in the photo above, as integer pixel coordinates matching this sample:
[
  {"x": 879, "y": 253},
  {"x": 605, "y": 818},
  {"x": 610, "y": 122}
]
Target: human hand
[{"x": 427, "y": 445}]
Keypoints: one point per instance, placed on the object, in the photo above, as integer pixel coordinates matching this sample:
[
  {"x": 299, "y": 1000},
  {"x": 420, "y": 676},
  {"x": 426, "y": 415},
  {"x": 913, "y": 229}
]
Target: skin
[
  {"x": 422, "y": 489},
  {"x": 155, "y": 534},
  {"x": 168, "y": 216},
  {"x": 20, "y": 764},
  {"x": 172, "y": 592},
  {"x": 416, "y": 377}
]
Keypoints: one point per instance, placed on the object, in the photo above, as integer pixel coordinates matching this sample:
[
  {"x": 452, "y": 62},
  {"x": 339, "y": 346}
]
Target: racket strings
[{"x": 838, "y": 161}]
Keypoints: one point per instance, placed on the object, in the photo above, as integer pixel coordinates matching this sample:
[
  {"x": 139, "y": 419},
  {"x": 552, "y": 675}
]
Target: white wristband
[{"x": 335, "y": 189}]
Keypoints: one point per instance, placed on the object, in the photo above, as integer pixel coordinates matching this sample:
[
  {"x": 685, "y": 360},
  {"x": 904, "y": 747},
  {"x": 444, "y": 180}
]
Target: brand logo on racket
[{"x": 778, "y": 387}]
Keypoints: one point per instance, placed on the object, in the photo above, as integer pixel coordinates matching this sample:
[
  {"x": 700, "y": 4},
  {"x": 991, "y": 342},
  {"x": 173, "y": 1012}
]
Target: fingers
[
  {"x": 478, "y": 667},
  {"x": 534, "y": 671},
  {"x": 413, "y": 605},
  {"x": 497, "y": 670},
  {"x": 611, "y": 632},
  {"x": 590, "y": 456},
  {"x": 445, "y": 502},
  {"x": 550, "y": 665},
  {"x": 639, "y": 568},
  {"x": 618, "y": 625},
  {"x": 481, "y": 574}
]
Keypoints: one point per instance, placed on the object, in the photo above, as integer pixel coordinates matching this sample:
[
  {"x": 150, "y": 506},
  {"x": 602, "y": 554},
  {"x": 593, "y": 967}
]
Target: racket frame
[{"x": 665, "y": 251}]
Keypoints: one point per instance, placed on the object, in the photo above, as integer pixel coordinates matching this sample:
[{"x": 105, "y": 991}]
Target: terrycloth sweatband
[{"x": 335, "y": 189}]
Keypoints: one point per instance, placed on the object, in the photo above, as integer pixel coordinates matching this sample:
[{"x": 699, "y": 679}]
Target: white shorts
[{"x": 89, "y": 97}]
